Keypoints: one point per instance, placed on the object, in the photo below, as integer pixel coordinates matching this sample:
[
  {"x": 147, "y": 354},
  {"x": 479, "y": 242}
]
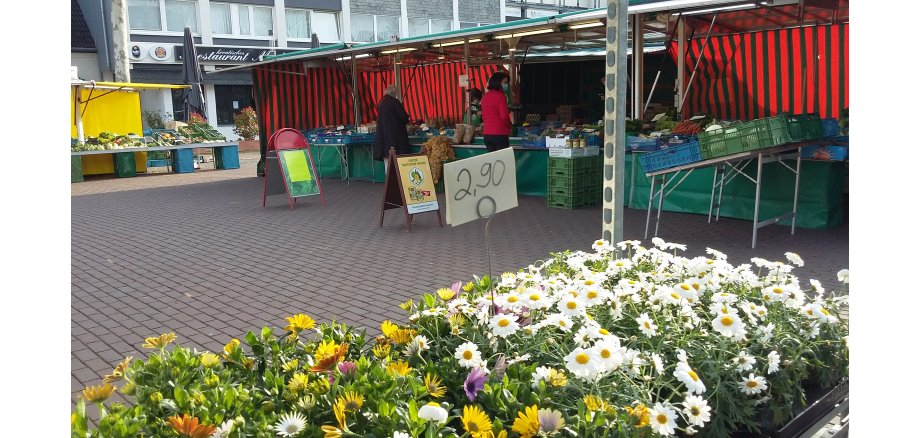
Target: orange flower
[
  {"x": 189, "y": 426},
  {"x": 329, "y": 362}
]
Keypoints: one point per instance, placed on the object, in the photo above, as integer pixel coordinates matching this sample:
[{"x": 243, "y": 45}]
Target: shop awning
[{"x": 126, "y": 86}]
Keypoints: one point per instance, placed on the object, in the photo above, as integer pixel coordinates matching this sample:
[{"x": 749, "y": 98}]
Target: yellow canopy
[{"x": 124, "y": 85}]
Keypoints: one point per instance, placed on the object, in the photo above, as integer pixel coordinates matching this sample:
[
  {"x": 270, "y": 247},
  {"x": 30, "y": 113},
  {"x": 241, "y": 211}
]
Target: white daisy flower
[
  {"x": 659, "y": 242},
  {"x": 659, "y": 365},
  {"x": 760, "y": 312},
  {"x": 508, "y": 279},
  {"x": 772, "y": 362},
  {"x": 719, "y": 309},
  {"x": 420, "y": 343},
  {"x": 223, "y": 431},
  {"x": 516, "y": 359},
  {"x": 724, "y": 297},
  {"x": 689, "y": 431},
  {"x": 635, "y": 244},
  {"x": 535, "y": 299},
  {"x": 817, "y": 311},
  {"x": 697, "y": 410},
  {"x": 400, "y": 434},
  {"x": 434, "y": 311},
  {"x": 559, "y": 321},
  {"x": 795, "y": 259},
  {"x": 618, "y": 266},
  {"x": 766, "y": 332},
  {"x": 681, "y": 355},
  {"x": 667, "y": 296},
  {"x": 662, "y": 419},
  {"x": 689, "y": 378},
  {"x": 673, "y": 246},
  {"x": 583, "y": 337},
  {"x": 745, "y": 362},
  {"x": 504, "y": 324},
  {"x": 608, "y": 353},
  {"x": 594, "y": 296},
  {"x": 432, "y": 412},
  {"x": 843, "y": 276},
  {"x": 753, "y": 385},
  {"x": 468, "y": 355},
  {"x": 688, "y": 291},
  {"x": 511, "y": 301},
  {"x": 728, "y": 325},
  {"x": 290, "y": 424},
  {"x": 775, "y": 293},
  {"x": 571, "y": 306},
  {"x": 540, "y": 374},
  {"x": 718, "y": 255},
  {"x": 761, "y": 263},
  {"x": 582, "y": 363},
  {"x": 633, "y": 359},
  {"x": 646, "y": 325},
  {"x": 816, "y": 285},
  {"x": 602, "y": 246}
]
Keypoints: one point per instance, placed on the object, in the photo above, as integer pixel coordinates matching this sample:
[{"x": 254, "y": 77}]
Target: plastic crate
[
  {"x": 566, "y": 184},
  {"x": 227, "y": 157},
  {"x": 125, "y": 165},
  {"x": 755, "y": 135},
  {"x": 831, "y": 127},
  {"x": 641, "y": 144},
  {"x": 712, "y": 144},
  {"x": 533, "y": 142},
  {"x": 571, "y": 202},
  {"x": 778, "y": 128},
  {"x": 183, "y": 161},
  {"x": 76, "y": 168},
  {"x": 573, "y": 166},
  {"x": 796, "y": 128},
  {"x": 671, "y": 157},
  {"x": 814, "y": 127},
  {"x": 593, "y": 140}
]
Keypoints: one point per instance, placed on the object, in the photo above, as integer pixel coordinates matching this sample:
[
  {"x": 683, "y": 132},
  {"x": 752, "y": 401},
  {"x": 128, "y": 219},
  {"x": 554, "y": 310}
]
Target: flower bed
[{"x": 582, "y": 344}]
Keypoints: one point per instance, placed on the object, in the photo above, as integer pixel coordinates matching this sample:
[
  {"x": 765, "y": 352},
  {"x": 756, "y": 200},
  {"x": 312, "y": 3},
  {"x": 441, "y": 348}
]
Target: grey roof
[{"x": 81, "y": 39}]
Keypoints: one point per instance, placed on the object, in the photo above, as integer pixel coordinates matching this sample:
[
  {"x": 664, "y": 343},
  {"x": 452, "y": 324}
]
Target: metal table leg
[
  {"x": 660, "y": 202},
  {"x": 651, "y": 197},
  {"x": 795, "y": 198},
  {"x": 757, "y": 200}
]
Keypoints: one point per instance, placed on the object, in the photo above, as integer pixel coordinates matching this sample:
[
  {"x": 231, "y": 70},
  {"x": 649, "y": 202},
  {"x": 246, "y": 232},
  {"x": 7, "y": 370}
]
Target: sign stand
[
  {"x": 393, "y": 194},
  {"x": 296, "y": 172}
]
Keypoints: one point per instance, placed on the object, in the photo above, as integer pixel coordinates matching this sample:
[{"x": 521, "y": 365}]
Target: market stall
[
  {"x": 108, "y": 138},
  {"x": 732, "y": 68}
]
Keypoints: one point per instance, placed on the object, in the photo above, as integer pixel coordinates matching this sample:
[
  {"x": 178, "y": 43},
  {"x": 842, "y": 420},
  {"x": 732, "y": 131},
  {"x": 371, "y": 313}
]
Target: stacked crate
[{"x": 574, "y": 182}]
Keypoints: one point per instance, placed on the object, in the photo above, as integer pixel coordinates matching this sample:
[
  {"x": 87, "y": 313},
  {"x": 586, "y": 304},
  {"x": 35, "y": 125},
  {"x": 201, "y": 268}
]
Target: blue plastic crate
[
  {"x": 533, "y": 142},
  {"x": 183, "y": 161},
  {"x": 593, "y": 140},
  {"x": 671, "y": 157},
  {"x": 641, "y": 144},
  {"x": 831, "y": 127},
  {"x": 227, "y": 157}
]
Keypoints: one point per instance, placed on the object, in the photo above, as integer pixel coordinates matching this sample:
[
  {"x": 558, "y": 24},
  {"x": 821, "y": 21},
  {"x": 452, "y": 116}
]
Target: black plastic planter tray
[{"x": 804, "y": 420}]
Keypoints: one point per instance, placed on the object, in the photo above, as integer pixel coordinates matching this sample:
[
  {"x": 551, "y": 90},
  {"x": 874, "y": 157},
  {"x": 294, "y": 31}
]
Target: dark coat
[{"x": 391, "y": 128}]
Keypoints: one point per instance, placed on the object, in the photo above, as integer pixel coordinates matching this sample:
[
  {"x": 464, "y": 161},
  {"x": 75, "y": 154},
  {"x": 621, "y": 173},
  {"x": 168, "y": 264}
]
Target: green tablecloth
[{"x": 820, "y": 188}]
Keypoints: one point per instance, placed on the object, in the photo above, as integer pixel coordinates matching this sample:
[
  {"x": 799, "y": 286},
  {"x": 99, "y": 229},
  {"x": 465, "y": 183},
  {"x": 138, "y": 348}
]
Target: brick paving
[{"x": 196, "y": 254}]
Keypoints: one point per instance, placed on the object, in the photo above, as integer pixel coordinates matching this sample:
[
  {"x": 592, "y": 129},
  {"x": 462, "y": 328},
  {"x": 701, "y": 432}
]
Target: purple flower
[
  {"x": 475, "y": 381},
  {"x": 456, "y": 287},
  {"x": 500, "y": 365},
  {"x": 348, "y": 369}
]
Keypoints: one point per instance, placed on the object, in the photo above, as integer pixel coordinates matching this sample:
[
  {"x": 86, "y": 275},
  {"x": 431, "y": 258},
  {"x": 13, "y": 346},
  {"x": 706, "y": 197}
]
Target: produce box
[
  {"x": 566, "y": 152},
  {"x": 827, "y": 153},
  {"x": 553, "y": 142}
]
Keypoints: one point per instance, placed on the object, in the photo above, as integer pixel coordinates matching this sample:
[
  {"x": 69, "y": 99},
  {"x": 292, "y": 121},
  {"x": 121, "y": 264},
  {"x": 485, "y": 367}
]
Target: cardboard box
[
  {"x": 553, "y": 142},
  {"x": 566, "y": 152}
]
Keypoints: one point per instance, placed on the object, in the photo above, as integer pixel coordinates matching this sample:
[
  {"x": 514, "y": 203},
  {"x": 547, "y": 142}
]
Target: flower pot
[{"x": 820, "y": 402}]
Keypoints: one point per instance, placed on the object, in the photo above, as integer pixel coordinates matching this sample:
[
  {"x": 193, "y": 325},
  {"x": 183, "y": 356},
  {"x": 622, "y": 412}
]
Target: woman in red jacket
[{"x": 496, "y": 118}]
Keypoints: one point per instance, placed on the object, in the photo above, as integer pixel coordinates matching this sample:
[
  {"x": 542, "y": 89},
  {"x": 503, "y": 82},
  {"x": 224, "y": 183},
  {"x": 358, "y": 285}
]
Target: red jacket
[{"x": 496, "y": 119}]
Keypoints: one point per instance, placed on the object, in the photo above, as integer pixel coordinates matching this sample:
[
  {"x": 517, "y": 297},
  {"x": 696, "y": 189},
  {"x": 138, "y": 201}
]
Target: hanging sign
[
  {"x": 464, "y": 81},
  {"x": 481, "y": 186},
  {"x": 409, "y": 186}
]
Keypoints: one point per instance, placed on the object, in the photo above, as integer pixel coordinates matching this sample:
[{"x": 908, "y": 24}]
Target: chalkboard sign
[{"x": 481, "y": 186}]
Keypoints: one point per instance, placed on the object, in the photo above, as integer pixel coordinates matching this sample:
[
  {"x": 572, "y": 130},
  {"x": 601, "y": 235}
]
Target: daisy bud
[{"x": 156, "y": 397}]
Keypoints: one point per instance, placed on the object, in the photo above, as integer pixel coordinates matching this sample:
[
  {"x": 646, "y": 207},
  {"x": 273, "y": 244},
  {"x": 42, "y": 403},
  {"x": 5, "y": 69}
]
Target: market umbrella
[{"x": 191, "y": 75}]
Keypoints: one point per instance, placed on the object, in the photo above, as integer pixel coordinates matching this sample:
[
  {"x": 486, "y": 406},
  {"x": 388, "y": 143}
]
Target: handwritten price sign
[{"x": 481, "y": 186}]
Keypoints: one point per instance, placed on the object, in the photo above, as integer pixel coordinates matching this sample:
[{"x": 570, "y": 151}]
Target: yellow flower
[
  {"x": 231, "y": 347},
  {"x": 445, "y": 293},
  {"x": 381, "y": 350},
  {"x": 339, "y": 411},
  {"x": 527, "y": 423},
  {"x": 325, "y": 349},
  {"x": 98, "y": 394},
  {"x": 433, "y": 386},
  {"x": 248, "y": 363},
  {"x": 159, "y": 342},
  {"x": 319, "y": 386},
  {"x": 557, "y": 378},
  {"x": 209, "y": 359},
  {"x": 594, "y": 403},
  {"x": 398, "y": 368},
  {"x": 407, "y": 306},
  {"x": 352, "y": 401},
  {"x": 298, "y": 383},
  {"x": 457, "y": 319},
  {"x": 641, "y": 414},
  {"x": 468, "y": 287},
  {"x": 475, "y": 421},
  {"x": 331, "y": 432},
  {"x": 119, "y": 372},
  {"x": 299, "y": 323},
  {"x": 402, "y": 336},
  {"x": 388, "y": 328},
  {"x": 290, "y": 365}
]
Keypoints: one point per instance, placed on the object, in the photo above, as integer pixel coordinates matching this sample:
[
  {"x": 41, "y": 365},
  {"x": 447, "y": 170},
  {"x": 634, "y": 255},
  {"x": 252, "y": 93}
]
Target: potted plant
[{"x": 246, "y": 125}]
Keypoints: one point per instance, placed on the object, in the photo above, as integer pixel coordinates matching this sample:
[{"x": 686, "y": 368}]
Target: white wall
[
  {"x": 87, "y": 65},
  {"x": 156, "y": 100}
]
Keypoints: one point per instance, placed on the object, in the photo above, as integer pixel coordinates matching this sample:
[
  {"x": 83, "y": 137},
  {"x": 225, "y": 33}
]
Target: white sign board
[
  {"x": 481, "y": 186},
  {"x": 464, "y": 81}
]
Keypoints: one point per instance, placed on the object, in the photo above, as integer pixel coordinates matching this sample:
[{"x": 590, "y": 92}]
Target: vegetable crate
[
  {"x": 533, "y": 142},
  {"x": 671, "y": 157},
  {"x": 831, "y": 127},
  {"x": 720, "y": 142},
  {"x": 814, "y": 127},
  {"x": 755, "y": 135},
  {"x": 778, "y": 127},
  {"x": 805, "y": 127},
  {"x": 571, "y": 202},
  {"x": 641, "y": 144},
  {"x": 569, "y": 167}
]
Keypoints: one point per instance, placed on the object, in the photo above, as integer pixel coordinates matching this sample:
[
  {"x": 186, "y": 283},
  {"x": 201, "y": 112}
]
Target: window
[
  {"x": 144, "y": 14},
  {"x": 302, "y": 23},
  {"x": 512, "y": 11},
  {"x": 298, "y": 23},
  {"x": 424, "y": 26},
  {"x": 220, "y": 19},
  {"x": 230, "y": 100},
  {"x": 468, "y": 25},
  {"x": 370, "y": 28},
  {"x": 181, "y": 14},
  {"x": 262, "y": 23}
]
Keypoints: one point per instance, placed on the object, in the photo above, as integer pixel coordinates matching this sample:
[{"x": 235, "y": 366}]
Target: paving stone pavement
[{"x": 196, "y": 254}]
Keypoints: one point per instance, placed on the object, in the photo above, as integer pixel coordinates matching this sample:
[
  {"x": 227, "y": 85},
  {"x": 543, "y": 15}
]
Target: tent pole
[
  {"x": 697, "y": 64},
  {"x": 78, "y": 114},
  {"x": 638, "y": 67},
  {"x": 466, "y": 69},
  {"x": 354, "y": 89}
]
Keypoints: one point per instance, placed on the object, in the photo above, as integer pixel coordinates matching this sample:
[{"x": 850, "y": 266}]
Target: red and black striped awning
[
  {"x": 751, "y": 75},
  {"x": 292, "y": 96}
]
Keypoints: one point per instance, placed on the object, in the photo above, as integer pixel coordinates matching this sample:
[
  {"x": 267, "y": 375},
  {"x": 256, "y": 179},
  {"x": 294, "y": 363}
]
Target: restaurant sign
[{"x": 232, "y": 55}]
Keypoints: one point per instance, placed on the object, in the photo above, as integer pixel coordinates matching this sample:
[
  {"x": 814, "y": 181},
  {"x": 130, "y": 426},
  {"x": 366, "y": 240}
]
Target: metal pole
[
  {"x": 638, "y": 67},
  {"x": 681, "y": 60},
  {"x": 651, "y": 198},
  {"x": 615, "y": 120},
  {"x": 757, "y": 200},
  {"x": 466, "y": 69},
  {"x": 664, "y": 183},
  {"x": 712, "y": 196},
  {"x": 354, "y": 89},
  {"x": 795, "y": 197},
  {"x": 78, "y": 113},
  {"x": 697, "y": 64}
]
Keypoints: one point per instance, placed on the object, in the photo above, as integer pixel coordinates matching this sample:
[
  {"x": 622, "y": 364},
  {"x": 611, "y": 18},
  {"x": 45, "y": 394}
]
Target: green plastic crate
[
  {"x": 76, "y": 168},
  {"x": 572, "y": 202},
  {"x": 755, "y": 135},
  {"x": 778, "y": 127},
  {"x": 797, "y": 128},
  {"x": 586, "y": 181},
  {"x": 814, "y": 129},
  {"x": 125, "y": 165},
  {"x": 574, "y": 166}
]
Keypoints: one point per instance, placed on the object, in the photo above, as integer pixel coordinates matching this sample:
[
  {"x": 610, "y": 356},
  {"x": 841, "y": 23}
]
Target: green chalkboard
[{"x": 297, "y": 166}]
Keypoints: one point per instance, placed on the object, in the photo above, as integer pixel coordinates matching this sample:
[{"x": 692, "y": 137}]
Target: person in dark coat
[{"x": 391, "y": 126}]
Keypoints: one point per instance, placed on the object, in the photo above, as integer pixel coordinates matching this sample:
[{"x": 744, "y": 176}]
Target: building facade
[{"x": 234, "y": 32}]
